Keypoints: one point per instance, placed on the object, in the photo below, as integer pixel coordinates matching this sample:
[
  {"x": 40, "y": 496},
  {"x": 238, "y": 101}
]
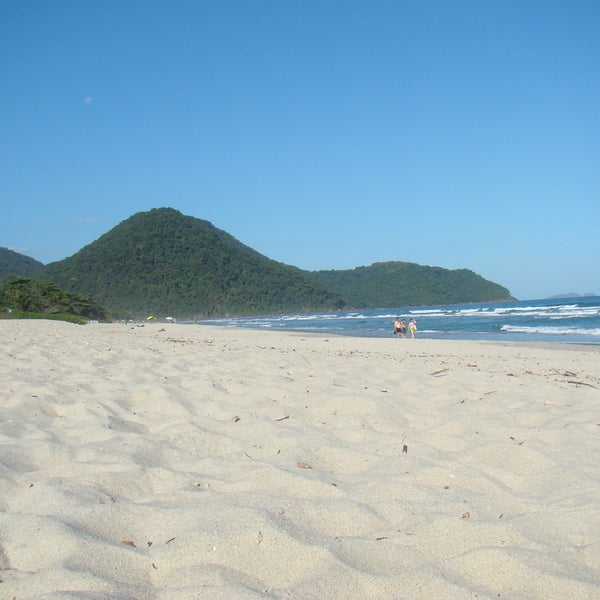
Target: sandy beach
[{"x": 173, "y": 462}]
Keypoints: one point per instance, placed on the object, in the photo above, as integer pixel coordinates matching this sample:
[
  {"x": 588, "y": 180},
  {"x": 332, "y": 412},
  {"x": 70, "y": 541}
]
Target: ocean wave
[
  {"x": 524, "y": 321},
  {"x": 533, "y": 312},
  {"x": 550, "y": 330}
]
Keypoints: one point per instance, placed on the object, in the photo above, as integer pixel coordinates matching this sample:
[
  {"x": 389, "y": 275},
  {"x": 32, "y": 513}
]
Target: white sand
[{"x": 200, "y": 462}]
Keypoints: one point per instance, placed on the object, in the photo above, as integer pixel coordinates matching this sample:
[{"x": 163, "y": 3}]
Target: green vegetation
[
  {"x": 390, "y": 284},
  {"x": 13, "y": 263},
  {"x": 162, "y": 262},
  {"x": 25, "y": 298}
]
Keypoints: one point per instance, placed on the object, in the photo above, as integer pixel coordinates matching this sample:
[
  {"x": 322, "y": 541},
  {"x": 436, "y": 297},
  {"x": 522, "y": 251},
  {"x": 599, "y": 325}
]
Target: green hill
[
  {"x": 391, "y": 284},
  {"x": 14, "y": 264},
  {"x": 162, "y": 262},
  {"x": 165, "y": 263}
]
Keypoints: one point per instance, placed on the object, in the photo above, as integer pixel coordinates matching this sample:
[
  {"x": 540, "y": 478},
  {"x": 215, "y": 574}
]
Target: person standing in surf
[{"x": 412, "y": 327}]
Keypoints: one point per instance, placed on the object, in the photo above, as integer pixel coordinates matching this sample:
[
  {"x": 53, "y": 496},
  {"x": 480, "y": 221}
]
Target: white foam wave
[
  {"x": 550, "y": 330},
  {"x": 430, "y": 311},
  {"x": 535, "y": 312}
]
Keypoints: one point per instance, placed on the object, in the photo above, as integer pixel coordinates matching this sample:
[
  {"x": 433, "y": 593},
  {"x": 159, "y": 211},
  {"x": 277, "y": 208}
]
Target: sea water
[{"x": 567, "y": 320}]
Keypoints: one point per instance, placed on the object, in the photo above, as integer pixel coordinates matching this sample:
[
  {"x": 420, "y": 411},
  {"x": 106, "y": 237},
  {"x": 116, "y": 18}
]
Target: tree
[{"x": 24, "y": 295}]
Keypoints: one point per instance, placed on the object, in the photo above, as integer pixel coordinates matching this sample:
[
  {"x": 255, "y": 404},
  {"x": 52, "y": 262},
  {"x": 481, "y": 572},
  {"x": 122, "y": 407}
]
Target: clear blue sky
[{"x": 324, "y": 134}]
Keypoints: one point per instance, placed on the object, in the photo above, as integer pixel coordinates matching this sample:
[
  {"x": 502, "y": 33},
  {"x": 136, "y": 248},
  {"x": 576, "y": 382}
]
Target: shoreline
[
  {"x": 165, "y": 462},
  {"x": 420, "y": 336},
  {"x": 536, "y": 320}
]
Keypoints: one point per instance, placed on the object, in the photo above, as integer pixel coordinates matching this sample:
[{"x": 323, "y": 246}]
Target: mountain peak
[{"x": 163, "y": 261}]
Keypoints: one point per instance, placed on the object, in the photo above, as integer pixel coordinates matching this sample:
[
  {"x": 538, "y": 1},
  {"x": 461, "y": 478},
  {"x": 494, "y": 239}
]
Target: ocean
[{"x": 566, "y": 320}]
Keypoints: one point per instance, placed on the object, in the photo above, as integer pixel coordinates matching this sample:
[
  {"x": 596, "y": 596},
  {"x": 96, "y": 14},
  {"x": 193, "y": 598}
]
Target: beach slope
[{"x": 173, "y": 462}]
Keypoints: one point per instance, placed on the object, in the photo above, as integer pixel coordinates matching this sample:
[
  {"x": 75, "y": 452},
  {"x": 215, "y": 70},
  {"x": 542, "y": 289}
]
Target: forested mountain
[
  {"x": 12, "y": 263},
  {"x": 163, "y": 262},
  {"x": 391, "y": 284}
]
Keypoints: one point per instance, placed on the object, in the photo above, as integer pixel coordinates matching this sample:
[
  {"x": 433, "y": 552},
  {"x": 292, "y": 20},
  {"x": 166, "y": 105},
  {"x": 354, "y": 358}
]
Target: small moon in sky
[{"x": 88, "y": 100}]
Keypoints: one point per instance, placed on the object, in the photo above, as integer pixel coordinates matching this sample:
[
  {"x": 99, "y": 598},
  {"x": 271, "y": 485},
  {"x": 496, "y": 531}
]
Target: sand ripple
[{"x": 186, "y": 462}]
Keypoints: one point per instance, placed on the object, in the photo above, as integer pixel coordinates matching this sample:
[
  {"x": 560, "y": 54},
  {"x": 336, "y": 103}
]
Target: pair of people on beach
[{"x": 400, "y": 327}]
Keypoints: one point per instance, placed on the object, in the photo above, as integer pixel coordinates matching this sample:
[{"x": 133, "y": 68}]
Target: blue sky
[{"x": 324, "y": 134}]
